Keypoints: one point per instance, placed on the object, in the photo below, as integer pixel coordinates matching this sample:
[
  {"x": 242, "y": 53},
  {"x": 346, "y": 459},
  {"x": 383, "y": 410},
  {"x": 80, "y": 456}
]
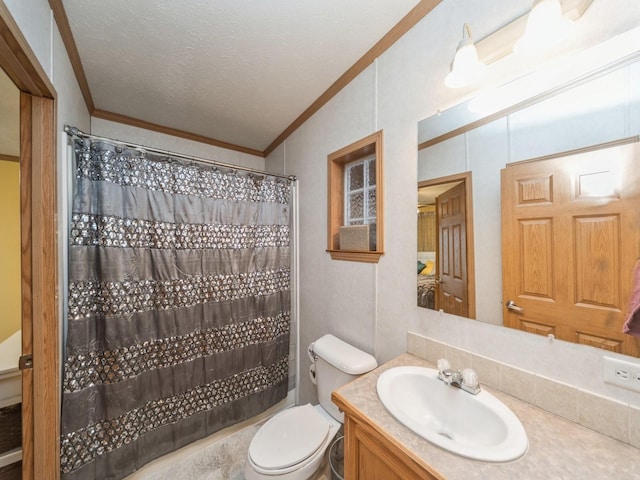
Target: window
[
  {"x": 360, "y": 192},
  {"x": 355, "y": 201}
]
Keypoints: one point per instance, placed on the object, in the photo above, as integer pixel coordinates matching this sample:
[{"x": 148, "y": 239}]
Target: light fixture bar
[{"x": 500, "y": 43}]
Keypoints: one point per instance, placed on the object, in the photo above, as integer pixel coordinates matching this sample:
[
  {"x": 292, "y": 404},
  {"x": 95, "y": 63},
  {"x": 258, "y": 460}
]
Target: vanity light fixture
[
  {"x": 502, "y": 42},
  {"x": 465, "y": 68},
  {"x": 546, "y": 28}
]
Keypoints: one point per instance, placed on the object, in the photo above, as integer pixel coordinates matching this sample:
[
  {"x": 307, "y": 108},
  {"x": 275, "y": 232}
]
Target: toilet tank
[{"x": 337, "y": 363}]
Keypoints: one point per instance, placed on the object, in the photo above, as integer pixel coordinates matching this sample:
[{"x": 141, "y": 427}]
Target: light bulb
[{"x": 546, "y": 28}]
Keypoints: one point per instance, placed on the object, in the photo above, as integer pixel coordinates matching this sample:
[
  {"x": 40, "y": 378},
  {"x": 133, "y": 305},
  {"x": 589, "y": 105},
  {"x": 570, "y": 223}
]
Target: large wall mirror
[{"x": 575, "y": 147}]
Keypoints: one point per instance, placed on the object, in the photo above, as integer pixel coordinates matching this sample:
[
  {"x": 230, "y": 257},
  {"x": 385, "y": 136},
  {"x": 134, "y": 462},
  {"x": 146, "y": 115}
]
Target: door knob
[{"x": 511, "y": 305}]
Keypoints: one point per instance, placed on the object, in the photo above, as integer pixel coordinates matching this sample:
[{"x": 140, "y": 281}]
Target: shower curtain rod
[{"x": 75, "y": 132}]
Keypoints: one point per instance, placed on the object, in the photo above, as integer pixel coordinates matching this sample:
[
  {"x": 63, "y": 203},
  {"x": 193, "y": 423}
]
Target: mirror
[{"x": 572, "y": 118}]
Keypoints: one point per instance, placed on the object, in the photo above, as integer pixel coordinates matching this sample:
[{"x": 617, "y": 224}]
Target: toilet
[{"x": 291, "y": 445}]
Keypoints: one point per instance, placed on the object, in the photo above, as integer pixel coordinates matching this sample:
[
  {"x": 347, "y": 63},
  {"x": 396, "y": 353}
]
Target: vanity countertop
[{"x": 558, "y": 449}]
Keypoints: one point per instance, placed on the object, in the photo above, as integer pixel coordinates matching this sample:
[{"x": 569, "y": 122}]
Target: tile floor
[{"x": 223, "y": 460}]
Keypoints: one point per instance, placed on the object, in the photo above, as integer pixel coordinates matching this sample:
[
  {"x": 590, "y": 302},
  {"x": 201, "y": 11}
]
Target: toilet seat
[{"x": 289, "y": 440}]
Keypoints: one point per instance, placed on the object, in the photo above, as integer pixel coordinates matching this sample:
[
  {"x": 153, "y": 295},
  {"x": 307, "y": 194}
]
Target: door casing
[{"x": 40, "y": 323}]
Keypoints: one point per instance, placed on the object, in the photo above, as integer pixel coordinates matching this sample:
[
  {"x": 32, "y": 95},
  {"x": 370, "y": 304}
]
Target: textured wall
[
  {"x": 140, "y": 136},
  {"x": 373, "y": 306},
  {"x": 9, "y": 117},
  {"x": 9, "y": 249}
]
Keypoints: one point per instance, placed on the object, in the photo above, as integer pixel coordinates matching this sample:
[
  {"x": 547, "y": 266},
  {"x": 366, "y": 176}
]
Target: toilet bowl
[{"x": 292, "y": 444}]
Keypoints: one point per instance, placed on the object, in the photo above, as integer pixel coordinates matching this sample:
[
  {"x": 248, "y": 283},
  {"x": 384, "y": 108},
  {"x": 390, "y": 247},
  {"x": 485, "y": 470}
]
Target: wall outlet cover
[{"x": 622, "y": 373}]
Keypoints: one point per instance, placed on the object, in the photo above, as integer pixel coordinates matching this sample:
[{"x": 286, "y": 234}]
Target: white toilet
[{"x": 291, "y": 445}]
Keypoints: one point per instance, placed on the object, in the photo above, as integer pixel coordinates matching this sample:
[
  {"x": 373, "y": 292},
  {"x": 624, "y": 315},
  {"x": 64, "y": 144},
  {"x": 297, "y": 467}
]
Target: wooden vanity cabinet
[{"x": 370, "y": 455}]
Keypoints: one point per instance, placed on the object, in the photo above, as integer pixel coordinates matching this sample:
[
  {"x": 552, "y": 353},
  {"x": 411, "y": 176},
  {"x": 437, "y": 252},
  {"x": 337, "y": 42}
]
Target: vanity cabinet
[{"x": 370, "y": 455}]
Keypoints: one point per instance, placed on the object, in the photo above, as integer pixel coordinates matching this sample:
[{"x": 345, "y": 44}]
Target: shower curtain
[{"x": 178, "y": 305}]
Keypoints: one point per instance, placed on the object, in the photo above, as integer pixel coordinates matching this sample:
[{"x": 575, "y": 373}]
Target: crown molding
[{"x": 62, "y": 21}]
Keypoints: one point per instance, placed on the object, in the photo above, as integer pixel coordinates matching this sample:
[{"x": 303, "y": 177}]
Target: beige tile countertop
[{"x": 558, "y": 449}]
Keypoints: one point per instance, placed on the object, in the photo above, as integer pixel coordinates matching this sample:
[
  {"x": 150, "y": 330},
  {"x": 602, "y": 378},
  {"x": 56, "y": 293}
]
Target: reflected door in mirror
[
  {"x": 451, "y": 280},
  {"x": 570, "y": 238}
]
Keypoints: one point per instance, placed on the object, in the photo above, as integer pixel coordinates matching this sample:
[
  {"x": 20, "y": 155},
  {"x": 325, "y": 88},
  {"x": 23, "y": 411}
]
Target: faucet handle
[
  {"x": 470, "y": 377},
  {"x": 443, "y": 364},
  {"x": 470, "y": 381}
]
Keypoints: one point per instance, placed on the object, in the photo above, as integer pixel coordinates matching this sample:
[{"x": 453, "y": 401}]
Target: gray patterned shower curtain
[{"x": 178, "y": 305}]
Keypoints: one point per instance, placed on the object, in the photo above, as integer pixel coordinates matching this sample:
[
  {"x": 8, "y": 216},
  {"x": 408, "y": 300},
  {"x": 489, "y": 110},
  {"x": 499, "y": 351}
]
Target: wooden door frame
[
  {"x": 471, "y": 272},
  {"x": 40, "y": 385}
]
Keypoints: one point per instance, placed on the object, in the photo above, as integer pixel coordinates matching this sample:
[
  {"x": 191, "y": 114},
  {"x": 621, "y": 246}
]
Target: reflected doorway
[
  {"x": 445, "y": 278},
  {"x": 10, "y": 283}
]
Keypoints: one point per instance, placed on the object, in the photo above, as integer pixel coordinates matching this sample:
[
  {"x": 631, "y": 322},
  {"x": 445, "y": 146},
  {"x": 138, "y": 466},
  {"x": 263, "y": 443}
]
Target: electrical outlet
[{"x": 622, "y": 373}]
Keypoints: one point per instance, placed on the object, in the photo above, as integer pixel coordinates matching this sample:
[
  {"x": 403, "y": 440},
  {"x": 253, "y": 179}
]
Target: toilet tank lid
[{"x": 343, "y": 356}]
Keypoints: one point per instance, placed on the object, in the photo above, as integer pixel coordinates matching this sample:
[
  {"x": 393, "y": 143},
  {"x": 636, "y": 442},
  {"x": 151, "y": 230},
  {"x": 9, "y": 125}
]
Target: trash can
[{"x": 336, "y": 458}]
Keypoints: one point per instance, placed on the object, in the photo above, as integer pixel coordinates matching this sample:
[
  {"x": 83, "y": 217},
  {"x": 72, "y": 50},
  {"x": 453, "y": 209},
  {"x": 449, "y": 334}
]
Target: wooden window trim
[{"x": 336, "y": 162}]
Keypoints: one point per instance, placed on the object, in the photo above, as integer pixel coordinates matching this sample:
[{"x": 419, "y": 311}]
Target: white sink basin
[{"x": 474, "y": 426}]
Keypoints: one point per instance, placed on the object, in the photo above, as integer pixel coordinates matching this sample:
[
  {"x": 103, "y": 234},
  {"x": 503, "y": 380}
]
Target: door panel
[
  {"x": 536, "y": 237},
  {"x": 570, "y": 239},
  {"x": 451, "y": 288},
  {"x": 596, "y": 238}
]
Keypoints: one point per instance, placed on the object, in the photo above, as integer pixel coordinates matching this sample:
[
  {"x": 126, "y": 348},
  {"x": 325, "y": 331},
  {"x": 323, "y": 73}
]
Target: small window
[
  {"x": 355, "y": 201},
  {"x": 360, "y": 181}
]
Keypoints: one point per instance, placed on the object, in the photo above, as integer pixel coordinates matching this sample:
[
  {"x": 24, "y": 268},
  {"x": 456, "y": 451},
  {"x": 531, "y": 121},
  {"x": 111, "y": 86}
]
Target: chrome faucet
[
  {"x": 465, "y": 379},
  {"x": 450, "y": 376}
]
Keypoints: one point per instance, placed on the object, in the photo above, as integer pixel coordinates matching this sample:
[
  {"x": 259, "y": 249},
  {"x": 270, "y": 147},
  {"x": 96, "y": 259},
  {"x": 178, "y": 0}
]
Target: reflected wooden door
[
  {"x": 451, "y": 280},
  {"x": 570, "y": 238}
]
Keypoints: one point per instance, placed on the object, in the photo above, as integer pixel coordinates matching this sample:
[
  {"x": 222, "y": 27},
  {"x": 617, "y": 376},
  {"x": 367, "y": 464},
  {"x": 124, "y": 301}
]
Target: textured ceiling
[{"x": 238, "y": 71}]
